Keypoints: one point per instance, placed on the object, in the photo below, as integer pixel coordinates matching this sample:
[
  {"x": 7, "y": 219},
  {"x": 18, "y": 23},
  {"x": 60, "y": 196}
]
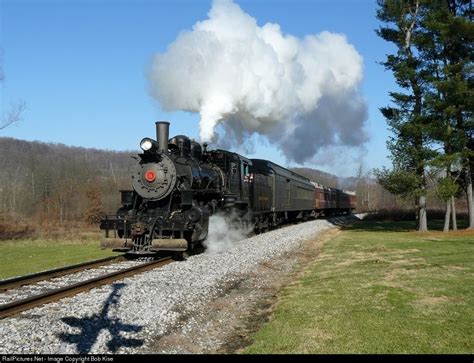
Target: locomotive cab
[{"x": 236, "y": 169}]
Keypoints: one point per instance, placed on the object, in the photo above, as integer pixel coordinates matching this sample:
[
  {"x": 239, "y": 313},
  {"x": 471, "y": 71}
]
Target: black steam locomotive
[{"x": 178, "y": 185}]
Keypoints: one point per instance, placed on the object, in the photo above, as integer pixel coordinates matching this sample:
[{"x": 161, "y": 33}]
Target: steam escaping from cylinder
[
  {"x": 223, "y": 233},
  {"x": 247, "y": 80}
]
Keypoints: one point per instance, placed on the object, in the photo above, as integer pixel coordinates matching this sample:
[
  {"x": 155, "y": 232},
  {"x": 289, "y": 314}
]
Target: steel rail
[
  {"x": 13, "y": 282},
  {"x": 56, "y": 294}
]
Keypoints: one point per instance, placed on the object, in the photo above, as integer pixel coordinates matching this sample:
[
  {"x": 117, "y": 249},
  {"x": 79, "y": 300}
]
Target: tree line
[
  {"x": 431, "y": 114},
  {"x": 54, "y": 183}
]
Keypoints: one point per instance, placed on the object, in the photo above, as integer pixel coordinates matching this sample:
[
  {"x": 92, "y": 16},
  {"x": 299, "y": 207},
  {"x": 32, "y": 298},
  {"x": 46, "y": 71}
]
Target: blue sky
[{"x": 80, "y": 66}]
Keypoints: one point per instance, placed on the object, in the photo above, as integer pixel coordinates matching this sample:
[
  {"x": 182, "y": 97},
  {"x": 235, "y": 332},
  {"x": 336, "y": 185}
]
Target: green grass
[
  {"x": 378, "y": 287},
  {"x": 20, "y": 257}
]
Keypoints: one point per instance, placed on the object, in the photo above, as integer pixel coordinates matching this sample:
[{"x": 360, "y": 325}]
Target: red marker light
[{"x": 150, "y": 176}]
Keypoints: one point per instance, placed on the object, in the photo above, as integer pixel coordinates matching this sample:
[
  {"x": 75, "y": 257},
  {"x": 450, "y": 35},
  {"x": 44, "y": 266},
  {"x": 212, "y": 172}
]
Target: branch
[{"x": 14, "y": 115}]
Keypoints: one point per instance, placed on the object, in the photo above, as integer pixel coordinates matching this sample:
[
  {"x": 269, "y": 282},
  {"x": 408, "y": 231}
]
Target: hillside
[
  {"x": 47, "y": 181},
  {"x": 318, "y": 176}
]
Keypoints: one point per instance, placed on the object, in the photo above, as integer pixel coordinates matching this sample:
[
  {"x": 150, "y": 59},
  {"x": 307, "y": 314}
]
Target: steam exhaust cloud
[
  {"x": 223, "y": 233},
  {"x": 245, "y": 80}
]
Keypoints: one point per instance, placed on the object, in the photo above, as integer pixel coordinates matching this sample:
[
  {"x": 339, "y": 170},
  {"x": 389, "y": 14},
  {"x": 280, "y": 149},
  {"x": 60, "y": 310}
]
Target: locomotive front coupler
[{"x": 138, "y": 229}]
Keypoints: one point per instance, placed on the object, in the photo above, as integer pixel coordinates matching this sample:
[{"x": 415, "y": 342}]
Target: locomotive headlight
[{"x": 147, "y": 144}]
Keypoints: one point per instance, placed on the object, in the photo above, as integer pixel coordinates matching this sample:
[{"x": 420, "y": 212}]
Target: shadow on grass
[
  {"x": 381, "y": 226},
  {"x": 397, "y": 226},
  {"x": 92, "y": 326},
  {"x": 355, "y": 224}
]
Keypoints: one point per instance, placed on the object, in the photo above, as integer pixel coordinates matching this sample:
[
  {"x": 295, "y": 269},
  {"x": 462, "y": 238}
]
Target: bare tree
[{"x": 14, "y": 114}]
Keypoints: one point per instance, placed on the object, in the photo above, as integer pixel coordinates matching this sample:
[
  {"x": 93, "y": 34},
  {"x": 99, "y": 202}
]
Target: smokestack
[{"x": 162, "y": 135}]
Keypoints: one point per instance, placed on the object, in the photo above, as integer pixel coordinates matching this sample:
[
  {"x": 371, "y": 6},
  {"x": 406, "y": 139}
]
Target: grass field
[
  {"x": 24, "y": 256},
  {"x": 379, "y": 287}
]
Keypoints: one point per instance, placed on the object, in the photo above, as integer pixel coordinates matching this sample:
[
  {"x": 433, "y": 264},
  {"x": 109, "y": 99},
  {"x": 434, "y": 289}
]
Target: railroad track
[
  {"x": 30, "y": 302},
  {"x": 57, "y": 272}
]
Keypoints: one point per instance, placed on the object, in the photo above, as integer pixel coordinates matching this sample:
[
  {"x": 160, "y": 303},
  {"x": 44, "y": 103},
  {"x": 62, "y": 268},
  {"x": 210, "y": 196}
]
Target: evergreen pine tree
[
  {"x": 407, "y": 118},
  {"x": 447, "y": 45}
]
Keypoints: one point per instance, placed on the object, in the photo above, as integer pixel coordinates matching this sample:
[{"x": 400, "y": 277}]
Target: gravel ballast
[{"x": 129, "y": 316}]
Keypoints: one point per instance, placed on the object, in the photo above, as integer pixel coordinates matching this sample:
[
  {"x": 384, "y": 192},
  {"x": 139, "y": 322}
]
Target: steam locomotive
[{"x": 178, "y": 184}]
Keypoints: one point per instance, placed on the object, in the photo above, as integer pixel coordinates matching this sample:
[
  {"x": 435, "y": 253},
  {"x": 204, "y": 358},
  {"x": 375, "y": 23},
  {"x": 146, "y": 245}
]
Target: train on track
[{"x": 178, "y": 184}]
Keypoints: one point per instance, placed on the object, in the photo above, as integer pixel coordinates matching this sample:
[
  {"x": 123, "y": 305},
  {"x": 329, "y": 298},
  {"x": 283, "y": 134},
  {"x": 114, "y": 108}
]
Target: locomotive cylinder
[
  {"x": 162, "y": 135},
  {"x": 163, "y": 244},
  {"x": 116, "y": 243}
]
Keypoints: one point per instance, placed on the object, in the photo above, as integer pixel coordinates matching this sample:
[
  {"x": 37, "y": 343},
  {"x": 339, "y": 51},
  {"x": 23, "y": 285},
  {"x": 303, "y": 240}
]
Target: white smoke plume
[
  {"x": 301, "y": 94},
  {"x": 223, "y": 234}
]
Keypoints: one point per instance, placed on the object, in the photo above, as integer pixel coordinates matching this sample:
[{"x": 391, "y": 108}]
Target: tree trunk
[
  {"x": 453, "y": 214},
  {"x": 423, "y": 222},
  {"x": 422, "y": 219},
  {"x": 447, "y": 216},
  {"x": 417, "y": 214},
  {"x": 470, "y": 206},
  {"x": 113, "y": 174}
]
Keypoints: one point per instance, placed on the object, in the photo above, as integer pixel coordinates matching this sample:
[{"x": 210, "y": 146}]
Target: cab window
[{"x": 245, "y": 172}]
